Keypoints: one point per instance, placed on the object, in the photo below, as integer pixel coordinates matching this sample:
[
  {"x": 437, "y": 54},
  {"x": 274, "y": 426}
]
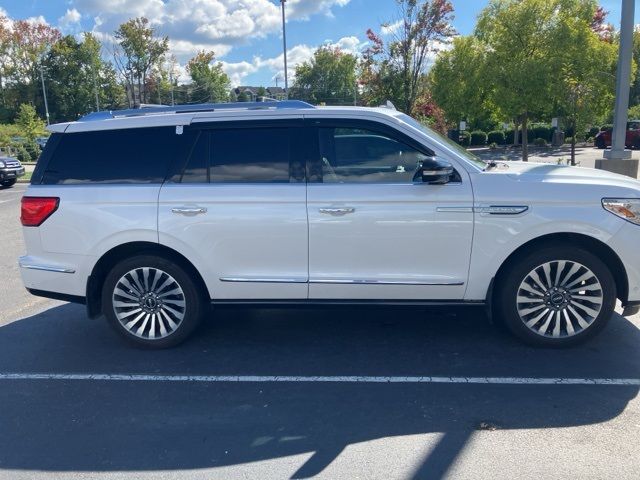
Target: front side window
[{"x": 360, "y": 155}]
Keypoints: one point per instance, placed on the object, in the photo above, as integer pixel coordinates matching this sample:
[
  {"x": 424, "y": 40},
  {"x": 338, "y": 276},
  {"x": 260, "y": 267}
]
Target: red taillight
[{"x": 35, "y": 210}]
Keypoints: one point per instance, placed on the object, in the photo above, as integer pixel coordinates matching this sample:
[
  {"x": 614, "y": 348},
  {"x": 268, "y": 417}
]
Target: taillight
[{"x": 35, "y": 210}]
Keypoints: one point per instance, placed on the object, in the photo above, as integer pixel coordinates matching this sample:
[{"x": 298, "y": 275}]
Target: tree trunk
[
  {"x": 573, "y": 144},
  {"x": 515, "y": 132},
  {"x": 525, "y": 141}
]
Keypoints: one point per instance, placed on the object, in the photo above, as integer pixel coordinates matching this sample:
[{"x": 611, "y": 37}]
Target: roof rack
[{"x": 150, "y": 109}]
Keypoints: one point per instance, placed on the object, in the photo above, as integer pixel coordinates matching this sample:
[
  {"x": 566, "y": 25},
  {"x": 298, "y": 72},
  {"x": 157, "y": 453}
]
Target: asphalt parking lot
[{"x": 357, "y": 392}]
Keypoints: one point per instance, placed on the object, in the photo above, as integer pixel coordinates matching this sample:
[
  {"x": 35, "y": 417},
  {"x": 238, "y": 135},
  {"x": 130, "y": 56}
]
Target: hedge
[
  {"x": 497, "y": 137},
  {"x": 478, "y": 138}
]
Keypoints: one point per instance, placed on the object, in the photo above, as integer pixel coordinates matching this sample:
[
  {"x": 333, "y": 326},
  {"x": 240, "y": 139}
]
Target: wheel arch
[
  {"x": 593, "y": 245},
  {"x": 120, "y": 252}
]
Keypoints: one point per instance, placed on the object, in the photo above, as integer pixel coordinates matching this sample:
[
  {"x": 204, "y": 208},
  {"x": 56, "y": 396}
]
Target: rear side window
[
  {"x": 250, "y": 155},
  {"x": 244, "y": 155},
  {"x": 138, "y": 155}
]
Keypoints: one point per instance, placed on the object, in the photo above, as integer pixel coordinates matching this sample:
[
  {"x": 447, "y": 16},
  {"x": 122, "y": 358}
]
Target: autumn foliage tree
[
  {"x": 22, "y": 46},
  {"x": 394, "y": 70},
  {"x": 137, "y": 52}
]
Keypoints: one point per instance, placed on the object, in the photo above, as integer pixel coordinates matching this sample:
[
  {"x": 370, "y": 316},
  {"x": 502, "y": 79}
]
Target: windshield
[{"x": 463, "y": 152}]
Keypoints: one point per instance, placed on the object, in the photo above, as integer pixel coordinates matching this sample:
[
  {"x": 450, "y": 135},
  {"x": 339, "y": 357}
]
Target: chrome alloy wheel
[
  {"x": 560, "y": 298},
  {"x": 149, "y": 303}
]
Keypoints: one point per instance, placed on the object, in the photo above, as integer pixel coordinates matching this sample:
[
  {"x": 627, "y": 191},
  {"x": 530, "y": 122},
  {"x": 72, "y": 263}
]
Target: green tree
[
  {"x": 517, "y": 34},
  {"x": 394, "y": 70},
  {"x": 208, "y": 77},
  {"x": 78, "y": 80},
  {"x": 138, "y": 51},
  {"x": 328, "y": 77},
  {"x": 457, "y": 81},
  {"x": 584, "y": 86}
]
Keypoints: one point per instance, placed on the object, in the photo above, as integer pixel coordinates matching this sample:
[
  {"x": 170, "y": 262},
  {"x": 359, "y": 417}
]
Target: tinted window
[
  {"x": 250, "y": 155},
  {"x": 360, "y": 155},
  {"x": 197, "y": 170},
  {"x": 138, "y": 155}
]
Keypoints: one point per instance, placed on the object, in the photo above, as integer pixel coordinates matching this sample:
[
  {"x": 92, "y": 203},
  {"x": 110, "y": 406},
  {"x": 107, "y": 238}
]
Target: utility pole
[
  {"x": 95, "y": 89},
  {"x": 284, "y": 48},
  {"x": 618, "y": 159},
  {"x": 44, "y": 93},
  {"x": 173, "y": 102}
]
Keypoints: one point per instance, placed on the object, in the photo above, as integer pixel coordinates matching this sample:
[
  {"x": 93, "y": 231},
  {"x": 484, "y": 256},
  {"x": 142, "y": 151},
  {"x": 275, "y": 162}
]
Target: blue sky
[{"x": 245, "y": 34}]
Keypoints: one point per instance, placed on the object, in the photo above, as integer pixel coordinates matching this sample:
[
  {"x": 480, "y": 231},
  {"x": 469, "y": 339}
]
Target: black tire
[
  {"x": 9, "y": 183},
  {"x": 190, "y": 301},
  {"x": 508, "y": 308},
  {"x": 600, "y": 143}
]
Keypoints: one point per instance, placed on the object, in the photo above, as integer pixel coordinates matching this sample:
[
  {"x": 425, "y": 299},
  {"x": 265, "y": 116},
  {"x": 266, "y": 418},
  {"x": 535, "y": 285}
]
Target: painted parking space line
[{"x": 106, "y": 377}]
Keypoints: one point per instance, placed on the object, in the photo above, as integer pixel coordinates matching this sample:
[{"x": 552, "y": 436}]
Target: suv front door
[{"x": 374, "y": 232}]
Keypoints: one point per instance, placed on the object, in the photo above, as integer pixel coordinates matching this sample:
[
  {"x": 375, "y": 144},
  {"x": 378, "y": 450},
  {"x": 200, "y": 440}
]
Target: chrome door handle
[
  {"x": 337, "y": 212},
  {"x": 189, "y": 210}
]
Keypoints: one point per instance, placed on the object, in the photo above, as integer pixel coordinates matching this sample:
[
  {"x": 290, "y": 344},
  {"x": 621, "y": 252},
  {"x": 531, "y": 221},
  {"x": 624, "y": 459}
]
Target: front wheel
[
  {"x": 600, "y": 143},
  {"x": 152, "y": 301},
  {"x": 8, "y": 183},
  {"x": 556, "y": 297}
]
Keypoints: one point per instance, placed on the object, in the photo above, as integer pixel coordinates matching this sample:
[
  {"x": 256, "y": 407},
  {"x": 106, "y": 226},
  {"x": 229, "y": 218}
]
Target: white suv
[{"x": 150, "y": 215}]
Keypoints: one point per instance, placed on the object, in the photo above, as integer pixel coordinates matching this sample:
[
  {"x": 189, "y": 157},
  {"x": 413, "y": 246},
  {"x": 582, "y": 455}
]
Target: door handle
[
  {"x": 189, "y": 210},
  {"x": 338, "y": 211}
]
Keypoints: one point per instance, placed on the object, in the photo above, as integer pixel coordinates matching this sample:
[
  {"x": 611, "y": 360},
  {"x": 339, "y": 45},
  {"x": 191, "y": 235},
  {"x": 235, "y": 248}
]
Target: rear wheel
[
  {"x": 152, "y": 301},
  {"x": 556, "y": 297},
  {"x": 8, "y": 183}
]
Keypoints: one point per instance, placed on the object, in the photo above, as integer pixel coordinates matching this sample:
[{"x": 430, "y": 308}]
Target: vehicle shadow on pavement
[{"x": 145, "y": 426}]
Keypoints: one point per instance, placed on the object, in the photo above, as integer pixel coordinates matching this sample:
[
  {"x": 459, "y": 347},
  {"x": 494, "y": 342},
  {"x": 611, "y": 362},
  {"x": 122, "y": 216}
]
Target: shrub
[
  {"x": 508, "y": 136},
  {"x": 568, "y": 140},
  {"x": 540, "y": 142},
  {"x": 591, "y": 140},
  {"x": 593, "y": 131},
  {"x": 542, "y": 130},
  {"x": 465, "y": 139},
  {"x": 478, "y": 138},
  {"x": 23, "y": 154},
  {"x": 497, "y": 137},
  {"x": 493, "y": 145},
  {"x": 606, "y": 127}
]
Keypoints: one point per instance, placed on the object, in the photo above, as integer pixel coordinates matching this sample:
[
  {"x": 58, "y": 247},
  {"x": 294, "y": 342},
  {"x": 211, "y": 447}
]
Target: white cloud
[
  {"x": 70, "y": 19},
  {"x": 391, "y": 28},
  {"x": 295, "y": 56},
  {"x": 218, "y": 25},
  {"x": 35, "y": 20}
]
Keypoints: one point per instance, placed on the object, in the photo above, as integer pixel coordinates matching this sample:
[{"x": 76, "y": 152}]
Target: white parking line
[{"x": 106, "y": 377}]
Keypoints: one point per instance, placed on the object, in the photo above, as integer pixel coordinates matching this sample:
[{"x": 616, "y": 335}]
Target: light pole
[
  {"x": 618, "y": 159},
  {"x": 44, "y": 93},
  {"x": 284, "y": 48}
]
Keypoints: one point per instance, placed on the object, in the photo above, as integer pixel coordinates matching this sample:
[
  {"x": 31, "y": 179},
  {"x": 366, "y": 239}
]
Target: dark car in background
[
  {"x": 10, "y": 170},
  {"x": 632, "y": 140}
]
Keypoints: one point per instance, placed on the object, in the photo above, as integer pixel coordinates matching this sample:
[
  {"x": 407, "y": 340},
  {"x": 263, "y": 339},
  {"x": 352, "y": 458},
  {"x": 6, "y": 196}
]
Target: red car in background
[{"x": 603, "y": 138}]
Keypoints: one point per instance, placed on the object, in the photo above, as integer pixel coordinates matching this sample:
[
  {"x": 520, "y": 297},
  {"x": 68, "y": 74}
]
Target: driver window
[{"x": 364, "y": 156}]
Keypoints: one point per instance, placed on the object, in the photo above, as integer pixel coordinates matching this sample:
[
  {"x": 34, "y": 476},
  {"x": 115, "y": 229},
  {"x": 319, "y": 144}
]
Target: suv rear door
[{"x": 237, "y": 209}]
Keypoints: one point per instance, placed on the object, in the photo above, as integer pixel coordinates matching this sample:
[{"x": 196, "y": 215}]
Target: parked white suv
[{"x": 150, "y": 215}]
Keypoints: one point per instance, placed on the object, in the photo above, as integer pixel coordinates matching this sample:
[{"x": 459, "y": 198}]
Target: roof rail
[{"x": 146, "y": 109}]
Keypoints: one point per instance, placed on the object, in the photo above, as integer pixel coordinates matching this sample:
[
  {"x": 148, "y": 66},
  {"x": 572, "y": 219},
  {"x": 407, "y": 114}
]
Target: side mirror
[{"x": 434, "y": 171}]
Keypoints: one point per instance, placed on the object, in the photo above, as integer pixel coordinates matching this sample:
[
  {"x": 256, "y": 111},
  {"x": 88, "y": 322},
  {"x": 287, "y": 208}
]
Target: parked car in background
[
  {"x": 150, "y": 215},
  {"x": 632, "y": 140},
  {"x": 10, "y": 170}
]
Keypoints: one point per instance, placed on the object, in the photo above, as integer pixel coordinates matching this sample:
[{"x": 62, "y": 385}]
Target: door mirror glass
[{"x": 434, "y": 171}]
